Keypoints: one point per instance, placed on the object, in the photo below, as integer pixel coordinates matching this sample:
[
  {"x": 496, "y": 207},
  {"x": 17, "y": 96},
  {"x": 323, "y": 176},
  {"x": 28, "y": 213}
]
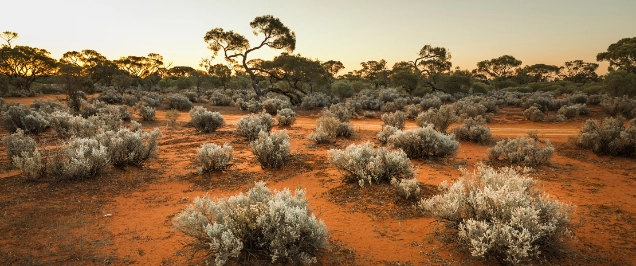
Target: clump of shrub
[
  {"x": 18, "y": 143},
  {"x": 571, "y": 111},
  {"x": 315, "y": 100},
  {"x": 213, "y": 157},
  {"x": 18, "y": 116},
  {"x": 286, "y": 117},
  {"x": 396, "y": 119},
  {"x": 342, "y": 112},
  {"x": 111, "y": 97},
  {"x": 271, "y": 149},
  {"x": 473, "y": 129},
  {"x": 79, "y": 158},
  {"x": 273, "y": 105},
  {"x": 276, "y": 224},
  {"x": 385, "y": 133},
  {"x": 172, "y": 115},
  {"x": 433, "y": 102},
  {"x": 424, "y": 142},
  {"x": 179, "y": 102},
  {"x": 534, "y": 114},
  {"x": 364, "y": 165},
  {"x": 130, "y": 147},
  {"x": 623, "y": 106},
  {"x": 369, "y": 114},
  {"x": 46, "y": 106},
  {"x": 147, "y": 113},
  {"x": 66, "y": 125},
  {"x": 206, "y": 121},
  {"x": 412, "y": 111},
  {"x": 499, "y": 215},
  {"x": 407, "y": 188},
  {"x": 521, "y": 150},
  {"x": 328, "y": 127},
  {"x": 31, "y": 164},
  {"x": 251, "y": 125},
  {"x": 440, "y": 118},
  {"x": 610, "y": 137}
]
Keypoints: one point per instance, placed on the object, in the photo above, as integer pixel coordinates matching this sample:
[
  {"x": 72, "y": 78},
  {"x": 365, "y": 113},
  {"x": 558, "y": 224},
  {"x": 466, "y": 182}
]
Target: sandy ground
[{"x": 125, "y": 216}]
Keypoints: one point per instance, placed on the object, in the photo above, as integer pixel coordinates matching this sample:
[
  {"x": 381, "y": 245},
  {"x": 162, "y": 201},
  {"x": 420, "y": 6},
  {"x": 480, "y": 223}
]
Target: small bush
[
  {"x": 522, "y": 150},
  {"x": 111, "y": 97},
  {"x": 213, "y": 157},
  {"x": 369, "y": 114},
  {"x": 286, "y": 117},
  {"x": 130, "y": 100},
  {"x": 179, "y": 102},
  {"x": 412, "y": 111},
  {"x": 206, "y": 121},
  {"x": 571, "y": 111},
  {"x": 441, "y": 119},
  {"x": 19, "y": 116},
  {"x": 534, "y": 114},
  {"x": 277, "y": 224},
  {"x": 499, "y": 215},
  {"x": 610, "y": 137},
  {"x": 344, "y": 129},
  {"x": 273, "y": 105},
  {"x": 47, "y": 106},
  {"x": 341, "y": 111},
  {"x": 80, "y": 158},
  {"x": 473, "y": 129},
  {"x": 433, "y": 102},
  {"x": 424, "y": 143},
  {"x": 315, "y": 100},
  {"x": 172, "y": 115},
  {"x": 66, "y": 125},
  {"x": 127, "y": 147},
  {"x": 18, "y": 143},
  {"x": 31, "y": 164},
  {"x": 147, "y": 113},
  {"x": 616, "y": 106},
  {"x": 362, "y": 164},
  {"x": 407, "y": 188},
  {"x": 251, "y": 125},
  {"x": 396, "y": 119},
  {"x": 271, "y": 150},
  {"x": 385, "y": 133}
]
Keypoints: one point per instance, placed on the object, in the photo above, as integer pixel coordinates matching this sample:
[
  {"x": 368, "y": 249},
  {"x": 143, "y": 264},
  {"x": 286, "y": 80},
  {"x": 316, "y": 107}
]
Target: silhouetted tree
[
  {"x": 300, "y": 73},
  {"x": 332, "y": 67},
  {"x": 498, "y": 68},
  {"x": 93, "y": 65},
  {"x": 405, "y": 75},
  {"x": 539, "y": 73},
  {"x": 375, "y": 72},
  {"x": 23, "y": 65},
  {"x": 621, "y": 55},
  {"x": 579, "y": 71}
]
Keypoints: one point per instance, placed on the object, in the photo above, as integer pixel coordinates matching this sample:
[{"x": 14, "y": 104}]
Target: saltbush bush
[
  {"x": 251, "y": 125},
  {"x": 213, "y": 157},
  {"x": 610, "y": 137},
  {"x": 315, "y": 100},
  {"x": 130, "y": 147},
  {"x": 623, "y": 106},
  {"x": 19, "y": 116},
  {"x": 396, "y": 119},
  {"x": 412, "y": 111},
  {"x": 18, "y": 143},
  {"x": 46, "y": 106},
  {"x": 500, "y": 215},
  {"x": 273, "y": 105},
  {"x": 364, "y": 165},
  {"x": 424, "y": 142},
  {"x": 271, "y": 149},
  {"x": 431, "y": 102},
  {"x": 521, "y": 150},
  {"x": 286, "y": 117},
  {"x": 179, "y": 102},
  {"x": 440, "y": 118},
  {"x": 277, "y": 224},
  {"x": 326, "y": 129},
  {"x": 385, "y": 133},
  {"x": 147, "y": 113},
  {"x": 534, "y": 114},
  {"x": 67, "y": 125},
  {"x": 111, "y": 97},
  {"x": 31, "y": 164},
  {"x": 407, "y": 188},
  {"x": 205, "y": 121},
  {"x": 80, "y": 158},
  {"x": 473, "y": 129}
]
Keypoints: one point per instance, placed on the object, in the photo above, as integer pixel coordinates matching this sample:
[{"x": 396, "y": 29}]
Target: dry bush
[
  {"x": 571, "y": 111},
  {"x": 286, "y": 117},
  {"x": 412, "y": 111},
  {"x": 172, "y": 115},
  {"x": 32, "y": 164},
  {"x": 18, "y": 116},
  {"x": 273, "y": 105},
  {"x": 385, "y": 133},
  {"x": 432, "y": 102},
  {"x": 328, "y": 127},
  {"x": 130, "y": 147},
  {"x": 66, "y": 125},
  {"x": 315, "y": 100},
  {"x": 18, "y": 143},
  {"x": 623, "y": 106},
  {"x": 213, "y": 157},
  {"x": 396, "y": 119},
  {"x": 610, "y": 137},
  {"x": 341, "y": 111},
  {"x": 251, "y": 125},
  {"x": 276, "y": 224},
  {"x": 362, "y": 164},
  {"x": 499, "y": 215},
  {"x": 424, "y": 143},
  {"x": 271, "y": 149},
  {"x": 441, "y": 119},
  {"x": 206, "y": 121},
  {"x": 147, "y": 113},
  {"x": 407, "y": 188},
  {"x": 521, "y": 150},
  {"x": 534, "y": 114},
  {"x": 473, "y": 129},
  {"x": 179, "y": 102},
  {"x": 369, "y": 114},
  {"x": 79, "y": 158}
]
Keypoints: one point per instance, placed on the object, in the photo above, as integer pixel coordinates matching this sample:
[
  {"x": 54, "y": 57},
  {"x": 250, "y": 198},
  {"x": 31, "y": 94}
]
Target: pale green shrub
[
  {"x": 286, "y": 117},
  {"x": 80, "y": 158},
  {"x": 19, "y": 143},
  {"x": 276, "y": 224},
  {"x": 500, "y": 215},
  {"x": 610, "y": 137},
  {"x": 441, "y": 119},
  {"x": 534, "y": 114},
  {"x": 327, "y": 126},
  {"x": 66, "y": 125},
  {"x": 130, "y": 147},
  {"x": 473, "y": 129},
  {"x": 522, "y": 150},
  {"x": 147, "y": 113},
  {"x": 385, "y": 133},
  {"x": 31, "y": 164},
  {"x": 271, "y": 149},
  {"x": 273, "y": 105},
  {"x": 407, "y": 188},
  {"x": 396, "y": 119},
  {"x": 204, "y": 120},
  {"x": 179, "y": 102},
  {"x": 251, "y": 125},
  {"x": 424, "y": 143},
  {"x": 19, "y": 116},
  {"x": 362, "y": 164},
  {"x": 213, "y": 157}
]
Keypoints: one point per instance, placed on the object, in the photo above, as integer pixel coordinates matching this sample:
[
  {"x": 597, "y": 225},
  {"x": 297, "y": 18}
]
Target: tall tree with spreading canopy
[
  {"x": 333, "y": 67},
  {"x": 375, "y": 72},
  {"x": 498, "y": 68},
  {"x": 405, "y": 75},
  {"x": 579, "y": 71},
  {"x": 220, "y": 73},
  {"x": 300, "y": 73},
  {"x": 93, "y": 65},
  {"x": 621, "y": 55},
  {"x": 142, "y": 66},
  {"x": 236, "y": 48},
  {"x": 540, "y": 72},
  {"x": 432, "y": 63},
  {"x": 23, "y": 65}
]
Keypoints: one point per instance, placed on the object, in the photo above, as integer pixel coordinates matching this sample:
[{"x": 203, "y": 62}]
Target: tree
[
  {"x": 179, "y": 71},
  {"x": 219, "y": 72},
  {"x": 498, "y": 68},
  {"x": 432, "y": 63},
  {"x": 540, "y": 72},
  {"x": 142, "y": 66},
  {"x": 236, "y": 47},
  {"x": 375, "y": 72},
  {"x": 621, "y": 82},
  {"x": 74, "y": 84},
  {"x": 300, "y": 73},
  {"x": 23, "y": 65},
  {"x": 93, "y": 65},
  {"x": 405, "y": 75},
  {"x": 8, "y": 36},
  {"x": 333, "y": 67},
  {"x": 620, "y": 55},
  {"x": 578, "y": 71}
]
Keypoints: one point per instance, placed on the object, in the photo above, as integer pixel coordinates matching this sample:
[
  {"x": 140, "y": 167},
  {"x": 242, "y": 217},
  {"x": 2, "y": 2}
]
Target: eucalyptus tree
[
  {"x": 220, "y": 73},
  {"x": 300, "y": 73},
  {"x": 375, "y": 72},
  {"x": 236, "y": 48},
  {"x": 405, "y": 75},
  {"x": 432, "y": 63},
  {"x": 579, "y": 71},
  {"x": 621, "y": 55},
  {"x": 499, "y": 68},
  {"x": 93, "y": 65},
  {"x": 539, "y": 72},
  {"x": 142, "y": 66},
  {"x": 332, "y": 67},
  {"x": 23, "y": 65}
]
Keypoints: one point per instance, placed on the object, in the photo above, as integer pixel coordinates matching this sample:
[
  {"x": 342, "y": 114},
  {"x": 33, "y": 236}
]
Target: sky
[{"x": 351, "y": 31}]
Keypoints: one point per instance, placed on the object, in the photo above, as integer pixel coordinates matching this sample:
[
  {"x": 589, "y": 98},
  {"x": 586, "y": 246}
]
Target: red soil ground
[{"x": 125, "y": 216}]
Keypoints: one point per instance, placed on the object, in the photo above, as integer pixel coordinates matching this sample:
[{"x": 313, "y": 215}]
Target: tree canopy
[
  {"x": 23, "y": 65},
  {"x": 579, "y": 71},
  {"x": 497, "y": 68},
  {"x": 621, "y": 55}
]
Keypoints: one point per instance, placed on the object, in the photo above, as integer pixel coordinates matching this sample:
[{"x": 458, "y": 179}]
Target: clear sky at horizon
[{"x": 540, "y": 31}]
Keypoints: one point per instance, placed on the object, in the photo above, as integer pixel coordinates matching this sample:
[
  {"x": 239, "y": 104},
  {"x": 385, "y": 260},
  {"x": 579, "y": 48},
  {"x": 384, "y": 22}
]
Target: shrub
[
  {"x": 179, "y": 102},
  {"x": 396, "y": 119},
  {"x": 152, "y": 99},
  {"x": 46, "y": 106},
  {"x": 80, "y": 158},
  {"x": 127, "y": 147},
  {"x": 271, "y": 149},
  {"x": 326, "y": 129},
  {"x": 206, "y": 121},
  {"x": 277, "y": 224},
  {"x": 31, "y": 164},
  {"x": 412, "y": 111},
  {"x": 431, "y": 102},
  {"x": 522, "y": 150},
  {"x": 385, "y": 133},
  {"x": 286, "y": 117},
  {"x": 130, "y": 100},
  {"x": 616, "y": 106},
  {"x": 407, "y": 188},
  {"x": 344, "y": 129},
  {"x": 20, "y": 117},
  {"x": 424, "y": 142},
  {"x": 611, "y": 137},
  {"x": 473, "y": 129},
  {"x": 251, "y": 125},
  {"x": 571, "y": 111},
  {"x": 147, "y": 113},
  {"x": 362, "y": 164},
  {"x": 314, "y": 100},
  {"x": 340, "y": 111},
  {"x": 252, "y": 106},
  {"x": 66, "y": 125},
  {"x": 213, "y": 157},
  {"x": 342, "y": 89},
  {"x": 18, "y": 143},
  {"x": 534, "y": 114},
  {"x": 369, "y": 114},
  {"x": 111, "y": 97},
  {"x": 273, "y": 105},
  {"x": 172, "y": 115},
  {"x": 499, "y": 215},
  {"x": 441, "y": 119}
]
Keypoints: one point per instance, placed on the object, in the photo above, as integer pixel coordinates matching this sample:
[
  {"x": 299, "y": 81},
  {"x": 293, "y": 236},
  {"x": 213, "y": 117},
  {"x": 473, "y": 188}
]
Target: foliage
[
  {"x": 130, "y": 147},
  {"x": 278, "y": 224},
  {"x": 147, "y": 113},
  {"x": 521, "y": 150},
  {"x": 20, "y": 117},
  {"x": 273, "y": 105},
  {"x": 213, "y": 157},
  {"x": 80, "y": 158},
  {"x": 18, "y": 143},
  {"x": 621, "y": 55},
  {"x": 385, "y": 133},
  {"x": 251, "y": 125},
  {"x": 326, "y": 129},
  {"x": 396, "y": 119},
  {"x": 206, "y": 121},
  {"x": 172, "y": 115},
  {"x": 610, "y": 137},
  {"x": 315, "y": 100},
  {"x": 473, "y": 129},
  {"x": 286, "y": 117},
  {"x": 424, "y": 143},
  {"x": 440, "y": 118},
  {"x": 23, "y": 65},
  {"x": 179, "y": 102},
  {"x": 271, "y": 149},
  {"x": 66, "y": 125},
  {"x": 407, "y": 188},
  {"x": 362, "y": 164},
  {"x": 623, "y": 106},
  {"x": 342, "y": 89},
  {"x": 534, "y": 114},
  {"x": 500, "y": 215}
]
